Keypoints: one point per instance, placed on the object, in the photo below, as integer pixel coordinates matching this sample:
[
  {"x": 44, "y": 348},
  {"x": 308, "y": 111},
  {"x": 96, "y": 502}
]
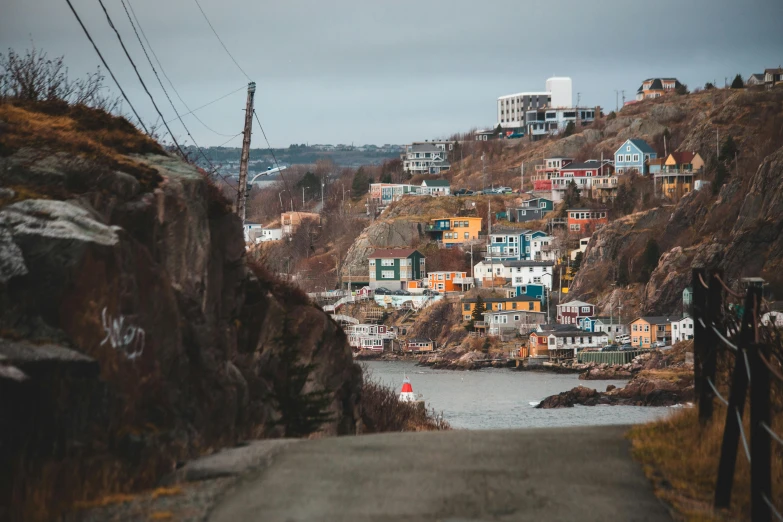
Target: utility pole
[
  {"x": 489, "y": 243},
  {"x": 717, "y": 144},
  {"x": 623, "y": 98},
  {"x": 522, "y": 184},
  {"x": 243, "y": 159},
  {"x": 616, "y": 100},
  {"x": 483, "y": 173}
]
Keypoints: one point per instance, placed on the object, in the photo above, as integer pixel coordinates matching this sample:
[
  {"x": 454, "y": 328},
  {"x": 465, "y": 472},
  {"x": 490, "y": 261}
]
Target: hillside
[{"x": 133, "y": 333}]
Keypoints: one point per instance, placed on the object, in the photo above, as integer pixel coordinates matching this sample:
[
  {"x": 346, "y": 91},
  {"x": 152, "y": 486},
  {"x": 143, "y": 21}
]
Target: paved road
[{"x": 583, "y": 474}]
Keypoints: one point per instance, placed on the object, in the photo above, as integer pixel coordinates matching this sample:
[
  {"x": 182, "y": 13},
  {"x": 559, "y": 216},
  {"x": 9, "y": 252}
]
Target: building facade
[
  {"x": 656, "y": 87},
  {"x": 572, "y": 312},
  {"x": 586, "y": 220},
  {"x": 500, "y": 304},
  {"x": 435, "y": 187},
  {"x": 633, "y": 155},
  {"x": 531, "y": 210},
  {"x": 426, "y": 157},
  {"x": 452, "y": 231},
  {"x": 645, "y": 331},
  {"x": 395, "y": 268},
  {"x": 582, "y": 174},
  {"x": 511, "y": 108},
  {"x": 449, "y": 281}
]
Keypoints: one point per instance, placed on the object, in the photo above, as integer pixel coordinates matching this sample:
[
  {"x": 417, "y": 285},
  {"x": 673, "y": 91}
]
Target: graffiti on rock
[{"x": 126, "y": 338}]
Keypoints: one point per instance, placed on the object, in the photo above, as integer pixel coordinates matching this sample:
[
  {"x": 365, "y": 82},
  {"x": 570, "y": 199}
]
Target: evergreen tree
[
  {"x": 569, "y": 130},
  {"x": 721, "y": 175},
  {"x": 728, "y": 149},
  {"x": 572, "y": 195},
  {"x": 301, "y": 413},
  {"x": 708, "y": 86},
  {"x": 737, "y": 83},
  {"x": 386, "y": 177},
  {"x": 360, "y": 184},
  {"x": 625, "y": 200},
  {"x": 310, "y": 182},
  {"x": 681, "y": 89},
  {"x": 478, "y": 310},
  {"x": 577, "y": 262}
]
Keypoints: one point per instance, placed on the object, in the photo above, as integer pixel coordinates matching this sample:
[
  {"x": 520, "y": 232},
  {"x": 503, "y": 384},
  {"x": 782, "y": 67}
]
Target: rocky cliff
[{"x": 133, "y": 335}]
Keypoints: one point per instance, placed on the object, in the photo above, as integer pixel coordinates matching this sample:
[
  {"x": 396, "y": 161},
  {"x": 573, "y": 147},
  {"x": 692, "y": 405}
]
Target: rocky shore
[{"x": 464, "y": 361}]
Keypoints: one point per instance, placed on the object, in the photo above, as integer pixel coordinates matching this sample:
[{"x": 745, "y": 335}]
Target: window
[
  {"x": 448, "y": 276},
  {"x": 636, "y": 157},
  {"x": 387, "y": 274},
  {"x": 635, "y": 340},
  {"x": 635, "y": 328},
  {"x": 467, "y": 235},
  {"x": 466, "y": 307},
  {"x": 513, "y": 306},
  {"x": 530, "y": 306},
  {"x": 516, "y": 318},
  {"x": 647, "y": 328},
  {"x": 372, "y": 262},
  {"x": 628, "y": 148},
  {"x": 387, "y": 262}
]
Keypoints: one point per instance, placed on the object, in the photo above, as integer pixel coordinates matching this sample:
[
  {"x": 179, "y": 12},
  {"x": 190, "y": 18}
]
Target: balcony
[
  {"x": 480, "y": 324},
  {"x": 437, "y": 228},
  {"x": 462, "y": 280}
]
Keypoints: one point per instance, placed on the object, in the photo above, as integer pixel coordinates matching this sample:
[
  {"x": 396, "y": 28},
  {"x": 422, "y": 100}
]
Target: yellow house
[
  {"x": 676, "y": 177},
  {"x": 454, "y": 230},
  {"x": 645, "y": 331},
  {"x": 520, "y": 302}
]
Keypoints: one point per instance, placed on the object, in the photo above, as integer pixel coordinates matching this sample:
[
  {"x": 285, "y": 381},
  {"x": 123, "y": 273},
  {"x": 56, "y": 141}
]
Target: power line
[
  {"x": 87, "y": 33},
  {"x": 111, "y": 24},
  {"x": 160, "y": 65},
  {"x": 273, "y": 155},
  {"x": 221, "y": 42},
  {"x": 210, "y": 103},
  {"x": 164, "y": 88}
]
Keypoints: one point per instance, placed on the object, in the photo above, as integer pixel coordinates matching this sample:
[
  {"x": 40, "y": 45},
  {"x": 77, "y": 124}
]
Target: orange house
[
  {"x": 449, "y": 281},
  {"x": 538, "y": 344},
  {"x": 586, "y": 220}
]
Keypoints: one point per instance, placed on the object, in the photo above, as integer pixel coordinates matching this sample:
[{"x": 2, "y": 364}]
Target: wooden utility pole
[{"x": 243, "y": 159}]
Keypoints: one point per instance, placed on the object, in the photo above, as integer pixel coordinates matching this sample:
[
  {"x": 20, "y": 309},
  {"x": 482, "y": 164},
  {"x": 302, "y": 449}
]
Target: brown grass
[
  {"x": 383, "y": 412},
  {"x": 681, "y": 458}
]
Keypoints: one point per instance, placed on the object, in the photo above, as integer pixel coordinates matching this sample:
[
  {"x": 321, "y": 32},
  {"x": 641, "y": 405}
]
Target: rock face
[
  {"x": 642, "y": 391},
  {"x": 381, "y": 234},
  {"x": 133, "y": 335}
]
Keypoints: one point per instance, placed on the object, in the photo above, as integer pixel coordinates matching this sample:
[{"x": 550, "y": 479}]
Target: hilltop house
[
  {"x": 755, "y": 79},
  {"x": 500, "y": 304},
  {"x": 676, "y": 177},
  {"x": 571, "y": 312},
  {"x": 382, "y": 194},
  {"x": 773, "y": 77},
  {"x": 581, "y": 174},
  {"x": 633, "y": 155},
  {"x": 586, "y": 220},
  {"x": 449, "y": 281},
  {"x": 256, "y": 233},
  {"x": 511, "y": 243},
  {"x": 532, "y": 209},
  {"x": 435, "y": 187},
  {"x": 542, "y": 180},
  {"x": 656, "y": 87},
  {"x": 452, "y": 231},
  {"x": 650, "y": 329},
  {"x": 426, "y": 158},
  {"x": 395, "y": 268}
]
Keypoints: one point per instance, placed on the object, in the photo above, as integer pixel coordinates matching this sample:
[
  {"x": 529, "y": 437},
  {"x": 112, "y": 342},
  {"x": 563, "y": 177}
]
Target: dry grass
[
  {"x": 681, "y": 458},
  {"x": 382, "y": 411}
]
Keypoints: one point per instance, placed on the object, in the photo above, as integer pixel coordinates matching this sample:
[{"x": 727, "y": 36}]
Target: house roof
[
  {"x": 576, "y": 333},
  {"x": 642, "y": 145},
  {"x": 516, "y": 264},
  {"x": 656, "y": 161},
  {"x": 556, "y": 327},
  {"x": 683, "y": 158},
  {"x": 657, "y": 84},
  {"x": 658, "y": 319},
  {"x": 757, "y": 76},
  {"x": 574, "y": 303},
  {"x": 501, "y": 299},
  {"x": 506, "y": 312},
  {"x": 424, "y": 147},
  {"x": 582, "y": 209},
  {"x": 393, "y": 253},
  {"x": 419, "y": 340},
  {"x": 515, "y": 231},
  {"x": 779, "y": 70},
  {"x": 590, "y": 164},
  {"x": 435, "y": 183}
]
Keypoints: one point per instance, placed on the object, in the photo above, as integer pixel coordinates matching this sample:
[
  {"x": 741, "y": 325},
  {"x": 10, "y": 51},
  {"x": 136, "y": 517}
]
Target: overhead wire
[
  {"x": 103, "y": 60},
  {"x": 285, "y": 183},
  {"x": 141, "y": 80},
  {"x": 160, "y": 82},
  {"x": 210, "y": 103},
  {"x": 160, "y": 65},
  {"x": 221, "y": 41}
]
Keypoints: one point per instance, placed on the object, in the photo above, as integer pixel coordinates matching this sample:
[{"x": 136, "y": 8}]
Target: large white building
[{"x": 513, "y": 108}]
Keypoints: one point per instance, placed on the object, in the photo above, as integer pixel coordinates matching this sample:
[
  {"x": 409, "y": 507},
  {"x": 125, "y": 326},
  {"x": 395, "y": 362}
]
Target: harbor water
[{"x": 494, "y": 398}]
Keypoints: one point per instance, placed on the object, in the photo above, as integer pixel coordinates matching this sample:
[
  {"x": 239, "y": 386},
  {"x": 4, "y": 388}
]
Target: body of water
[{"x": 501, "y": 398}]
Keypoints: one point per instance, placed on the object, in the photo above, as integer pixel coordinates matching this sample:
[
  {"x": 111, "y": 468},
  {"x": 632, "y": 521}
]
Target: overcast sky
[{"x": 380, "y": 71}]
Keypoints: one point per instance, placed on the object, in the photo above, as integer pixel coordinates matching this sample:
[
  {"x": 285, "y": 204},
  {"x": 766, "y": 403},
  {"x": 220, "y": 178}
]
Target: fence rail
[
  {"x": 752, "y": 373},
  {"x": 609, "y": 357}
]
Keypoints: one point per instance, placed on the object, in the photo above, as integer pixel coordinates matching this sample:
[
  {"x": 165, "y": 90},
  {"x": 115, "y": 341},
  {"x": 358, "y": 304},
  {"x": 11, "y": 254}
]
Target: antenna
[
  {"x": 623, "y": 97},
  {"x": 616, "y": 102}
]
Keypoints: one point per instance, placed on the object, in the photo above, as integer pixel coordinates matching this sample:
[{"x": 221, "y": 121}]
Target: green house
[{"x": 396, "y": 268}]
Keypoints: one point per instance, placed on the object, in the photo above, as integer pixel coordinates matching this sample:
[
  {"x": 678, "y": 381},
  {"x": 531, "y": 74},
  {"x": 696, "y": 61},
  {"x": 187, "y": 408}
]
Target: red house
[
  {"x": 581, "y": 174},
  {"x": 586, "y": 220},
  {"x": 571, "y": 312},
  {"x": 542, "y": 180}
]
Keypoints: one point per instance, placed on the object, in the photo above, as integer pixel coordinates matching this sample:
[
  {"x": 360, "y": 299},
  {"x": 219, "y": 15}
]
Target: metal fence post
[
  {"x": 710, "y": 354},
  {"x": 760, "y": 441},
  {"x": 699, "y": 334},
  {"x": 737, "y": 394}
]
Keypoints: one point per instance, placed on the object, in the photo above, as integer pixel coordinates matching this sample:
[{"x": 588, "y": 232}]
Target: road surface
[{"x": 584, "y": 474}]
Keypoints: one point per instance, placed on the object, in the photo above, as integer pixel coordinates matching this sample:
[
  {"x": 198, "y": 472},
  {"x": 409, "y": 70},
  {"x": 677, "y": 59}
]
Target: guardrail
[{"x": 623, "y": 357}]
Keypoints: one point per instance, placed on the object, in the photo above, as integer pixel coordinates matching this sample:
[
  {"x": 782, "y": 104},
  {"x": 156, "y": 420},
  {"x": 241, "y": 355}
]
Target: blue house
[
  {"x": 633, "y": 155},
  {"x": 511, "y": 244},
  {"x": 531, "y": 290},
  {"x": 532, "y": 209}
]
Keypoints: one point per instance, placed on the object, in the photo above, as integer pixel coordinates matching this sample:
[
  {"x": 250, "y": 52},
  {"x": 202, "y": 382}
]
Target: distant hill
[{"x": 304, "y": 155}]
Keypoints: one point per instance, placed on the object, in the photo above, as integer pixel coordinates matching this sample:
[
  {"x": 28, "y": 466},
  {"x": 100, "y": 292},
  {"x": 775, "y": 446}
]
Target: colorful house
[
  {"x": 383, "y": 194},
  {"x": 291, "y": 221},
  {"x": 449, "y": 281},
  {"x": 645, "y": 331},
  {"x": 682, "y": 329},
  {"x": 499, "y": 304},
  {"x": 542, "y": 180},
  {"x": 419, "y": 345},
  {"x": 506, "y": 244},
  {"x": 435, "y": 187},
  {"x": 656, "y": 87},
  {"x": 394, "y": 268},
  {"x": 518, "y": 272},
  {"x": 582, "y": 174},
  {"x": 454, "y": 230},
  {"x": 676, "y": 177},
  {"x": 587, "y": 220},
  {"x": 572, "y": 312},
  {"x": 633, "y": 155},
  {"x": 532, "y": 209},
  {"x": 499, "y": 322}
]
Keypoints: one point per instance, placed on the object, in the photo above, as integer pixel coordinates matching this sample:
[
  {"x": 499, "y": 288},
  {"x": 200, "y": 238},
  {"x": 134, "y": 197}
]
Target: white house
[
  {"x": 508, "y": 321},
  {"x": 270, "y": 234},
  {"x": 612, "y": 327},
  {"x": 369, "y": 336},
  {"x": 250, "y": 229},
  {"x": 435, "y": 187},
  {"x": 520, "y": 273},
  {"x": 426, "y": 157},
  {"x": 682, "y": 330},
  {"x": 543, "y": 249},
  {"x": 576, "y": 340}
]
